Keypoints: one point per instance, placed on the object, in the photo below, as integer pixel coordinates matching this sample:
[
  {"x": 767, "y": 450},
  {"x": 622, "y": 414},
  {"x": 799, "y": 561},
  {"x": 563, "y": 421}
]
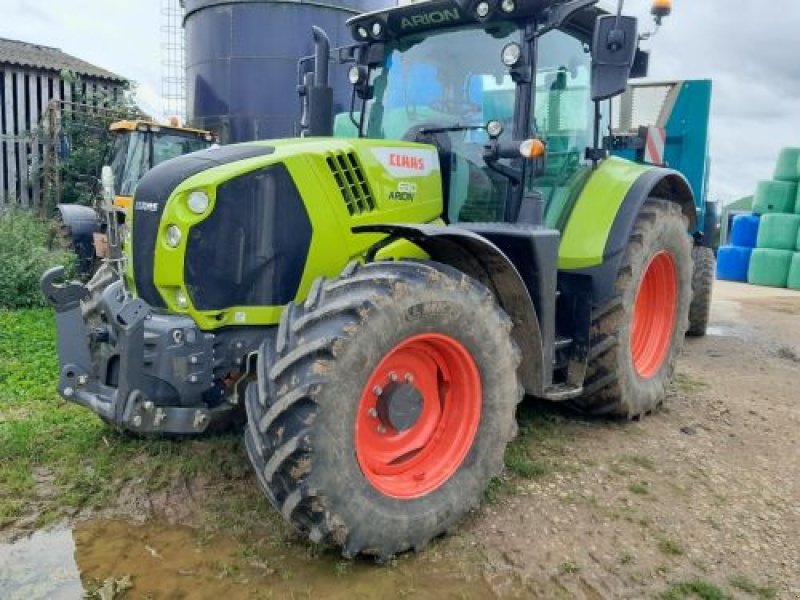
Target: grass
[
  {"x": 688, "y": 384},
  {"x": 641, "y": 488},
  {"x": 569, "y": 567},
  {"x": 747, "y": 585},
  {"x": 57, "y": 459},
  {"x": 695, "y": 588},
  {"x": 670, "y": 546}
]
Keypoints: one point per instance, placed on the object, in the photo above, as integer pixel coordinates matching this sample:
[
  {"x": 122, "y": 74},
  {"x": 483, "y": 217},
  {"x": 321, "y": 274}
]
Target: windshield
[
  {"x": 129, "y": 160},
  {"x": 444, "y": 79},
  {"x": 132, "y": 154}
]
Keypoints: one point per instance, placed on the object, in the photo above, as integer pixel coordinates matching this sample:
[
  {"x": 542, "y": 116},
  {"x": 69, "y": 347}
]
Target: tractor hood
[{"x": 231, "y": 235}]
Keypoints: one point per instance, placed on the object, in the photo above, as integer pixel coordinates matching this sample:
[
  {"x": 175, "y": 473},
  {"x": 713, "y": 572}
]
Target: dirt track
[{"x": 707, "y": 488}]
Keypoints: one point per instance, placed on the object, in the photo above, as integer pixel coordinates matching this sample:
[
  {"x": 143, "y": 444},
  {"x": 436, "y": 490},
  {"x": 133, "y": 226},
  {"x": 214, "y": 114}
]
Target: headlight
[
  {"x": 174, "y": 235},
  {"x": 508, "y": 6},
  {"x": 362, "y": 32},
  {"x": 494, "y": 129},
  {"x": 377, "y": 29},
  {"x": 511, "y": 54},
  {"x": 198, "y": 202},
  {"x": 355, "y": 75},
  {"x": 482, "y": 9},
  {"x": 181, "y": 300}
]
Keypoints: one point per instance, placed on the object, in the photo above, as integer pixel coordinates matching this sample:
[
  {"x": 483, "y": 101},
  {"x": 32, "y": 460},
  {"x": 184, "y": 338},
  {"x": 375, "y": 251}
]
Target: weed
[
  {"x": 342, "y": 567},
  {"x": 642, "y": 488},
  {"x": 519, "y": 462},
  {"x": 641, "y": 461},
  {"x": 695, "y": 588},
  {"x": 496, "y": 490},
  {"x": 569, "y": 567},
  {"x": 690, "y": 385},
  {"x": 670, "y": 546},
  {"x": 745, "y": 584},
  {"x": 626, "y": 558}
]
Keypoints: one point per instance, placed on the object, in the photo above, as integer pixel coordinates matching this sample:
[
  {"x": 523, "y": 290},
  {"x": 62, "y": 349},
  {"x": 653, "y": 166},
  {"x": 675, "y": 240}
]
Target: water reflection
[{"x": 164, "y": 561}]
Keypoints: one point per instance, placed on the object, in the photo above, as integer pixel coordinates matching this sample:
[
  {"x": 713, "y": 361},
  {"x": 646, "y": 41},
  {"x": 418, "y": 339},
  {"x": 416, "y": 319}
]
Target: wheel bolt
[
  {"x": 373, "y": 413},
  {"x": 377, "y": 390},
  {"x": 392, "y": 376},
  {"x": 409, "y": 378},
  {"x": 381, "y": 429}
]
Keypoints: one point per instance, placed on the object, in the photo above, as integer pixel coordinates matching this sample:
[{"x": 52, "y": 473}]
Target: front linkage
[{"x": 137, "y": 369}]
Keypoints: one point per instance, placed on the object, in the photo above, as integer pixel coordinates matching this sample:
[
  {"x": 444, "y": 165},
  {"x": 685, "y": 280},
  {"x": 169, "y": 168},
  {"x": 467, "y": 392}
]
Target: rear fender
[
  {"x": 601, "y": 222},
  {"x": 479, "y": 258}
]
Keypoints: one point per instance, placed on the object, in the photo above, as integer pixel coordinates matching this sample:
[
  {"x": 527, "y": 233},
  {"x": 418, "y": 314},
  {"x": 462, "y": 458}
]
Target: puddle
[
  {"x": 41, "y": 566},
  {"x": 165, "y": 561},
  {"x": 724, "y": 331}
]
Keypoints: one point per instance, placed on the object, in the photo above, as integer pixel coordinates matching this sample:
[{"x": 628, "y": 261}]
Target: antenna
[{"x": 173, "y": 78}]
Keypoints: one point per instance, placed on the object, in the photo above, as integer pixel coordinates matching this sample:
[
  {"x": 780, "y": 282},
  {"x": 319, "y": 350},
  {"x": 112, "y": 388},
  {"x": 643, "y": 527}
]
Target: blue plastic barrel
[
  {"x": 744, "y": 232},
  {"x": 733, "y": 263}
]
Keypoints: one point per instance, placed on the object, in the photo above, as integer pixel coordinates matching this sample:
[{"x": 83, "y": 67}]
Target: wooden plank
[
  {"x": 22, "y": 144},
  {"x": 11, "y": 154},
  {"x": 2, "y": 143},
  {"x": 36, "y": 156}
]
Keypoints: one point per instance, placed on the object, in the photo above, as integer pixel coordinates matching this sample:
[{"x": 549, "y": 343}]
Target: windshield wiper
[{"x": 456, "y": 127}]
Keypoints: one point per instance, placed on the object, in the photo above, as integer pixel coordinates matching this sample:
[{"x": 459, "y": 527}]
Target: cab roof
[
  {"x": 428, "y": 15},
  {"x": 134, "y": 124}
]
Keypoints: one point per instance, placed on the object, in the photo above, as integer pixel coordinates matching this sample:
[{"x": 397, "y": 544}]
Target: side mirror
[
  {"x": 614, "y": 46},
  {"x": 107, "y": 182}
]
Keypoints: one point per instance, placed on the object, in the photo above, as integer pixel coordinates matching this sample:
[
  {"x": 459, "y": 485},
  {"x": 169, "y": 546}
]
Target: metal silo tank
[{"x": 241, "y": 61}]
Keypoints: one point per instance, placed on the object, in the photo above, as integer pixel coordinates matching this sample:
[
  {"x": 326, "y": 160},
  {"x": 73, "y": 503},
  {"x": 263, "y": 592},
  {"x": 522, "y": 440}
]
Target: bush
[{"x": 25, "y": 255}]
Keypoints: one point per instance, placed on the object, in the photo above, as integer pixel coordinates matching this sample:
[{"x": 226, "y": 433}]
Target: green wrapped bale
[
  {"x": 788, "y": 167},
  {"x": 794, "y": 273},
  {"x": 778, "y": 231},
  {"x": 775, "y": 197},
  {"x": 797, "y": 202},
  {"x": 770, "y": 267}
]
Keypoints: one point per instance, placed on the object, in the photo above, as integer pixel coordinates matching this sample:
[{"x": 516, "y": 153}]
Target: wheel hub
[
  {"x": 399, "y": 406},
  {"x": 418, "y": 415}
]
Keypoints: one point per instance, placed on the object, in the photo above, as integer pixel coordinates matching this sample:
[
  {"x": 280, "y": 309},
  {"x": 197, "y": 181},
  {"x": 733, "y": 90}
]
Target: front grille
[{"x": 349, "y": 176}]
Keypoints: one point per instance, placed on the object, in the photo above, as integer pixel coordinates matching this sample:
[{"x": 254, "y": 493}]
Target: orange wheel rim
[
  {"x": 654, "y": 315},
  {"x": 418, "y": 416}
]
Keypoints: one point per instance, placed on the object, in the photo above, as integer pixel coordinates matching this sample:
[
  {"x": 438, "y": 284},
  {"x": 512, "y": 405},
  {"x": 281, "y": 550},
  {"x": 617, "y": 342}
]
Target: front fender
[{"x": 479, "y": 258}]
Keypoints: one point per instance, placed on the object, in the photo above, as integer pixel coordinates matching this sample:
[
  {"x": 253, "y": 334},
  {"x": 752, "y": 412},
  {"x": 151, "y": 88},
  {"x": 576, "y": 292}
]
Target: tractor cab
[
  {"x": 138, "y": 146},
  {"x": 439, "y": 72}
]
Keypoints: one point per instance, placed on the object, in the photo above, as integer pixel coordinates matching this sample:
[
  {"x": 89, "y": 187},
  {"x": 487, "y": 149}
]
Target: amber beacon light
[{"x": 661, "y": 9}]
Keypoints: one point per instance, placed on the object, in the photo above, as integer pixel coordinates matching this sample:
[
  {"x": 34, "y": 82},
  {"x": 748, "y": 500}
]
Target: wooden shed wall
[{"x": 25, "y": 95}]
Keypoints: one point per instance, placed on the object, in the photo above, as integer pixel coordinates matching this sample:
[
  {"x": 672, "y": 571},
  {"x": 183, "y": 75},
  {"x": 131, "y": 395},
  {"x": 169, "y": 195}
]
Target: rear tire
[
  {"x": 325, "y": 450},
  {"x": 705, "y": 265},
  {"x": 630, "y": 367}
]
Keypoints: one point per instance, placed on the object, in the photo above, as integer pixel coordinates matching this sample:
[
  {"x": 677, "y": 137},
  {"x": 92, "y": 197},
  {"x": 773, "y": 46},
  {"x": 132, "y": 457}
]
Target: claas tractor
[
  {"x": 136, "y": 147},
  {"x": 381, "y": 300}
]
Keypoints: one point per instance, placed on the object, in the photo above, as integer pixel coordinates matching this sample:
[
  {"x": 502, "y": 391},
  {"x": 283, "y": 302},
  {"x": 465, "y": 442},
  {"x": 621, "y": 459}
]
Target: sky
[{"x": 751, "y": 51}]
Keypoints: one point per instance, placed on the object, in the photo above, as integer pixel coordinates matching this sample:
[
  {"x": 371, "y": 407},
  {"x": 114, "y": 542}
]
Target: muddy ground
[{"x": 701, "y": 499}]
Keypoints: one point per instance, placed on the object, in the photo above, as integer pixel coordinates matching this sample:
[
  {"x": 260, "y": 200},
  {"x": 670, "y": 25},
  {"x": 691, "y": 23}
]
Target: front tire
[
  {"x": 637, "y": 336},
  {"x": 385, "y": 407}
]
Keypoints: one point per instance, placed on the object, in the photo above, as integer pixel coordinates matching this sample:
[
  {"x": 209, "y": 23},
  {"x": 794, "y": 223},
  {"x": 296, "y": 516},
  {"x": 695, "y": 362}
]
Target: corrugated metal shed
[{"x": 24, "y": 54}]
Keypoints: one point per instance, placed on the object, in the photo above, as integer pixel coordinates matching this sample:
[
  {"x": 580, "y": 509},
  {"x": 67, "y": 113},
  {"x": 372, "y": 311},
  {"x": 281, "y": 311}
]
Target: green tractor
[{"x": 381, "y": 302}]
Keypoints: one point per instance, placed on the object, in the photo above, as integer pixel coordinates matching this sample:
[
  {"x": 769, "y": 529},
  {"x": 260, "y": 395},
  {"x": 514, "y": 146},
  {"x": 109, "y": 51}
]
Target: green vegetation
[
  {"x": 57, "y": 459},
  {"x": 670, "y": 546},
  {"x": 569, "y": 567},
  {"x": 641, "y": 488},
  {"x": 747, "y": 585},
  {"x": 696, "y": 588},
  {"x": 24, "y": 255}
]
